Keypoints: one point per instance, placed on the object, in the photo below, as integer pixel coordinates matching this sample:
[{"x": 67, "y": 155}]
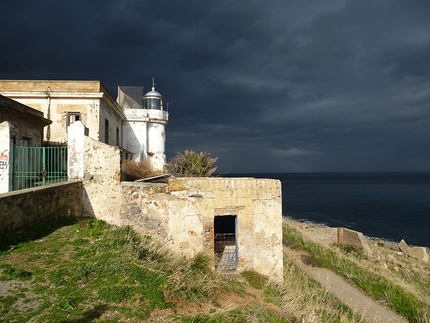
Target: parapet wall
[
  {"x": 182, "y": 213},
  {"x": 23, "y": 208}
]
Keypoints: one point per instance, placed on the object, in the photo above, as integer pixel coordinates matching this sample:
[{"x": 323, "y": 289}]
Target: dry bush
[{"x": 132, "y": 170}]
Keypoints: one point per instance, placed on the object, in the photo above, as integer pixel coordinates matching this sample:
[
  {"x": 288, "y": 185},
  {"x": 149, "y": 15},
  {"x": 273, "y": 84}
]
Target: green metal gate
[{"x": 38, "y": 166}]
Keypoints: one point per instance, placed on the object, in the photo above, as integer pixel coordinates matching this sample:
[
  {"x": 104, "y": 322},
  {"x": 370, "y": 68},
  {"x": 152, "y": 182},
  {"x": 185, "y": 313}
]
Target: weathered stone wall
[
  {"x": 102, "y": 164},
  {"x": 23, "y": 208},
  {"x": 98, "y": 165},
  {"x": 182, "y": 213}
]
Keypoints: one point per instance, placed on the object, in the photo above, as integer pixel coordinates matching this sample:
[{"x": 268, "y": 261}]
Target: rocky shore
[{"x": 326, "y": 235}]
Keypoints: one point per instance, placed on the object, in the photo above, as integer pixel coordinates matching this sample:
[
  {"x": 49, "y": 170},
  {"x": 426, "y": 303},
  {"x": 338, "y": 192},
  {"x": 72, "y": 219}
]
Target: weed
[
  {"x": 83, "y": 272},
  {"x": 67, "y": 303},
  {"x": 11, "y": 273},
  {"x": 255, "y": 279},
  {"x": 116, "y": 293},
  {"x": 7, "y": 301},
  {"x": 58, "y": 277}
]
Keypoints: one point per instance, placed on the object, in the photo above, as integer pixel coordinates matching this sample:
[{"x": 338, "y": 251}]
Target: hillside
[{"x": 88, "y": 271}]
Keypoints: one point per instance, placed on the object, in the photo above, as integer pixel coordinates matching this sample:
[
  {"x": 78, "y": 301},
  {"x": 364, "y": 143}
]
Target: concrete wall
[
  {"x": 182, "y": 213},
  {"x": 23, "y": 208}
]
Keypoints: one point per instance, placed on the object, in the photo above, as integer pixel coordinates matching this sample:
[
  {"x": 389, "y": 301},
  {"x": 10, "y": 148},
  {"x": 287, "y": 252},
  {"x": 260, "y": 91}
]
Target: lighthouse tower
[{"x": 157, "y": 120}]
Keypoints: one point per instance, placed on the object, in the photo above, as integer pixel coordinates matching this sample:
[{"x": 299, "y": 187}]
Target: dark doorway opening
[{"x": 225, "y": 246}]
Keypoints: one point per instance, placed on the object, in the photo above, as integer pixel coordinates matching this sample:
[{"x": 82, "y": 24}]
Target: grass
[
  {"x": 89, "y": 268},
  {"x": 376, "y": 286},
  {"x": 90, "y": 271}
]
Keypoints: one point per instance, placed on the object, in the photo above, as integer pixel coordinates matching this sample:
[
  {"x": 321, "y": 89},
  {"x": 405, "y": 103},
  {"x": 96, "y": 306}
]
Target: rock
[
  {"x": 419, "y": 253},
  {"x": 354, "y": 238},
  {"x": 403, "y": 246}
]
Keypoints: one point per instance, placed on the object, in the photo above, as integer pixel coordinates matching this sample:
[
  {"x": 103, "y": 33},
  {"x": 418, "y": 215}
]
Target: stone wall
[
  {"x": 23, "y": 208},
  {"x": 182, "y": 213},
  {"x": 98, "y": 165}
]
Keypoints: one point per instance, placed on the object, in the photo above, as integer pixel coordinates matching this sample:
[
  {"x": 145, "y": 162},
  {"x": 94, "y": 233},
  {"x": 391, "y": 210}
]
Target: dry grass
[
  {"x": 132, "y": 170},
  {"x": 385, "y": 260},
  {"x": 405, "y": 282},
  {"x": 302, "y": 299}
]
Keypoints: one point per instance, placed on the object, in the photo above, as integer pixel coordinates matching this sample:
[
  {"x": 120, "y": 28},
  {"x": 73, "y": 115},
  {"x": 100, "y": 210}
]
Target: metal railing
[{"x": 38, "y": 166}]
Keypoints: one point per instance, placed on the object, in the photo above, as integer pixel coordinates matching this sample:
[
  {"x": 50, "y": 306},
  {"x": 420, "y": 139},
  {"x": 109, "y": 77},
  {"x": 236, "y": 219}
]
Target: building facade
[
  {"x": 65, "y": 102},
  {"x": 129, "y": 122},
  {"x": 19, "y": 125}
]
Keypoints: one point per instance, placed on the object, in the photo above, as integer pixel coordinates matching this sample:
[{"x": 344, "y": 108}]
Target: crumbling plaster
[{"x": 182, "y": 214}]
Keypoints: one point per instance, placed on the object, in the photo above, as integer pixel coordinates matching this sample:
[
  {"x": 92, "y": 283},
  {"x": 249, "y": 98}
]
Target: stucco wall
[
  {"x": 182, "y": 213},
  {"x": 89, "y": 98},
  {"x": 20, "y": 209}
]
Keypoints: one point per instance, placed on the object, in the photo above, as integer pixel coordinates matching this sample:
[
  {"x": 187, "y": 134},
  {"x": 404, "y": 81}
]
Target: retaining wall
[{"x": 23, "y": 208}]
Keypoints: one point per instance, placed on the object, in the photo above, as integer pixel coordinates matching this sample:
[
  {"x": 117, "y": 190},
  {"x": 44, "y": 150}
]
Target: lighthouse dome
[
  {"x": 152, "y": 93},
  {"x": 153, "y": 100}
]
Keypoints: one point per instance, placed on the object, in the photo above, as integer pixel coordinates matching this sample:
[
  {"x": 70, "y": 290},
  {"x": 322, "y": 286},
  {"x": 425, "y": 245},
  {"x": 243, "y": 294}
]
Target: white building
[
  {"x": 130, "y": 123},
  {"x": 144, "y": 124},
  {"x": 65, "y": 102}
]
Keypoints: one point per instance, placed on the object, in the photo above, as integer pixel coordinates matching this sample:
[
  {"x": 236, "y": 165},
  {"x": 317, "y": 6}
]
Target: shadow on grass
[
  {"x": 90, "y": 315},
  {"x": 36, "y": 231}
]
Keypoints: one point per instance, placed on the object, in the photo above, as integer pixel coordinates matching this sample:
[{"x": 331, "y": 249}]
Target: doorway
[{"x": 225, "y": 246}]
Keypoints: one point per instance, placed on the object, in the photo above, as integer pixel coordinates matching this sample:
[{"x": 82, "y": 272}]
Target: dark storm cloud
[{"x": 265, "y": 86}]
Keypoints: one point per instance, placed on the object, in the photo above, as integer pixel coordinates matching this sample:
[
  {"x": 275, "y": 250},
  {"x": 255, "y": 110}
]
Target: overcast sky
[{"x": 265, "y": 86}]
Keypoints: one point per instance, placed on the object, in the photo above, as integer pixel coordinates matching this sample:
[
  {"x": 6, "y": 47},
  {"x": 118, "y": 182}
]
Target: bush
[
  {"x": 132, "y": 170},
  {"x": 192, "y": 164}
]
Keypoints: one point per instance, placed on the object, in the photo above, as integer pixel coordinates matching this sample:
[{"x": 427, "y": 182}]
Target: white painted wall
[{"x": 6, "y": 157}]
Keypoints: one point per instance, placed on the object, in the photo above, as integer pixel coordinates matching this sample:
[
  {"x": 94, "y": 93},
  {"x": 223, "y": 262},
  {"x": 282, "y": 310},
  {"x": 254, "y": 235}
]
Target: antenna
[
  {"x": 167, "y": 106},
  {"x": 153, "y": 84}
]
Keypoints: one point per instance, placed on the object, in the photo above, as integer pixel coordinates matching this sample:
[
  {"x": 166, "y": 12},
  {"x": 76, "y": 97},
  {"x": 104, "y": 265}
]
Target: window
[
  {"x": 117, "y": 137},
  {"x": 72, "y": 117},
  {"x": 106, "y": 131}
]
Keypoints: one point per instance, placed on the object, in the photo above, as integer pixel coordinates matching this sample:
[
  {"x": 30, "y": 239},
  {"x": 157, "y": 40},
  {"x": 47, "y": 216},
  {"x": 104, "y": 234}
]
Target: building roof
[{"x": 17, "y": 108}]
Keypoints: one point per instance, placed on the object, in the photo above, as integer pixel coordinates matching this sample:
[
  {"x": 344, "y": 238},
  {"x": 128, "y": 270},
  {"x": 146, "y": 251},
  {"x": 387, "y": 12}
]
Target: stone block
[
  {"x": 403, "y": 246},
  {"x": 419, "y": 253},
  {"x": 354, "y": 238}
]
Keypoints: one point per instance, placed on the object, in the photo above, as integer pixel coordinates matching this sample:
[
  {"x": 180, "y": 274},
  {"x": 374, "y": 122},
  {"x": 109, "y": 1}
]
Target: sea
[{"x": 387, "y": 206}]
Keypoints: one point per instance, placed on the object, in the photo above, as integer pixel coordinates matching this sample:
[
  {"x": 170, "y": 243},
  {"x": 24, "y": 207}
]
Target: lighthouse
[
  {"x": 157, "y": 120},
  {"x": 144, "y": 125}
]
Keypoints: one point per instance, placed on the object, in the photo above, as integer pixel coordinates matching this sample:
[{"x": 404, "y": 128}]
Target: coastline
[{"x": 326, "y": 235}]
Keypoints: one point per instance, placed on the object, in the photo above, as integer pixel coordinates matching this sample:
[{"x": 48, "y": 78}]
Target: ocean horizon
[{"x": 385, "y": 205}]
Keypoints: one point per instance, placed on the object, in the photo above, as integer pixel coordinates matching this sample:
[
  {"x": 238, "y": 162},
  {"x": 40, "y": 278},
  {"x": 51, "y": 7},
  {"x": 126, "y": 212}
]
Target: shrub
[
  {"x": 192, "y": 164},
  {"x": 132, "y": 170}
]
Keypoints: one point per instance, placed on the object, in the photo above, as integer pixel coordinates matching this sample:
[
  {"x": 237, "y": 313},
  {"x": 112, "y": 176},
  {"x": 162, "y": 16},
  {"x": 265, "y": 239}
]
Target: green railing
[{"x": 38, "y": 166}]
